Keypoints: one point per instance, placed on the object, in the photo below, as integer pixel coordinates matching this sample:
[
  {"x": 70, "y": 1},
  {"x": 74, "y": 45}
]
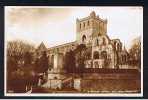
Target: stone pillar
[
  {"x": 55, "y": 61},
  {"x": 39, "y": 82},
  {"x": 77, "y": 84},
  {"x": 58, "y": 61}
]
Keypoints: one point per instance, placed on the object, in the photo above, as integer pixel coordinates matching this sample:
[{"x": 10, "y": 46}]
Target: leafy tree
[
  {"x": 80, "y": 57},
  {"x": 44, "y": 61},
  {"x": 69, "y": 65},
  {"x": 28, "y": 58},
  {"x": 36, "y": 65},
  {"x": 41, "y": 64}
]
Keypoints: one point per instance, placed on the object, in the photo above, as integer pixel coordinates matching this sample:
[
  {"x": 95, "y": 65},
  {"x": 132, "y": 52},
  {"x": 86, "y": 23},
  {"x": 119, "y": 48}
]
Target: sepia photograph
[{"x": 73, "y": 51}]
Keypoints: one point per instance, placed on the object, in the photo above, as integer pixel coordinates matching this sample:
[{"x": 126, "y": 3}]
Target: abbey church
[
  {"x": 103, "y": 52},
  {"x": 94, "y": 64}
]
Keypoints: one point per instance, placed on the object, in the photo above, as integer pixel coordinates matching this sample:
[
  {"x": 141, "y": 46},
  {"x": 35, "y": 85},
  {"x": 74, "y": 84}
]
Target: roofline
[{"x": 61, "y": 45}]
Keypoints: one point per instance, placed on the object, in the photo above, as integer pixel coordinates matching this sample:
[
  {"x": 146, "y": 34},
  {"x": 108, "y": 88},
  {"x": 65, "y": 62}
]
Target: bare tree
[
  {"x": 135, "y": 52},
  {"x": 17, "y": 51},
  {"x": 19, "y": 62}
]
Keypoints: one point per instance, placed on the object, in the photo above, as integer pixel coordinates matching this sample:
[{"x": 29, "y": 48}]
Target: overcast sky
[{"x": 57, "y": 25}]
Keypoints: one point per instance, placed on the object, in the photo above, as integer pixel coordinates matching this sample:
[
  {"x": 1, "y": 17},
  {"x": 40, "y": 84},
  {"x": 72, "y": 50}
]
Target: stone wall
[
  {"x": 110, "y": 85},
  {"x": 109, "y": 82}
]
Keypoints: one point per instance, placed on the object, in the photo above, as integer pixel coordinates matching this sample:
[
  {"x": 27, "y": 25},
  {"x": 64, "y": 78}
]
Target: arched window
[
  {"x": 84, "y": 24},
  {"x": 115, "y": 44},
  {"x": 104, "y": 42},
  {"x": 96, "y": 55},
  {"x": 118, "y": 47},
  {"x": 83, "y": 38},
  {"x": 104, "y": 55},
  {"x": 88, "y": 55},
  {"x": 96, "y": 64},
  {"x": 80, "y": 25},
  {"x": 97, "y": 42}
]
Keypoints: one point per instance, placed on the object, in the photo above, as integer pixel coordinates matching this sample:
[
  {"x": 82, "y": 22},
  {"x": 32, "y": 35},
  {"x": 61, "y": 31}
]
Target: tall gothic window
[
  {"x": 88, "y": 55},
  {"x": 104, "y": 55},
  {"x": 97, "y": 42},
  {"x": 104, "y": 42},
  {"x": 83, "y": 38},
  {"x": 118, "y": 47},
  {"x": 80, "y": 25},
  {"x": 84, "y": 24},
  {"x": 96, "y": 55}
]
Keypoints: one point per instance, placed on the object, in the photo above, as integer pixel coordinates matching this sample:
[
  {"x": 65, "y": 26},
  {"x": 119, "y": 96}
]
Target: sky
[{"x": 57, "y": 25}]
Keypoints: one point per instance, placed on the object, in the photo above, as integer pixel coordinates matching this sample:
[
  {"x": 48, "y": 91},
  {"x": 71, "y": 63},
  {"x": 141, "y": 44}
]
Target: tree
[
  {"x": 36, "y": 65},
  {"x": 42, "y": 64},
  {"x": 18, "y": 48},
  {"x": 16, "y": 54},
  {"x": 135, "y": 52},
  {"x": 11, "y": 67},
  {"x": 18, "y": 57},
  {"x": 19, "y": 52},
  {"x": 69, "y": 65},
  {"x": 80, "y": 57},
  {"x": 28, "y": 58}
]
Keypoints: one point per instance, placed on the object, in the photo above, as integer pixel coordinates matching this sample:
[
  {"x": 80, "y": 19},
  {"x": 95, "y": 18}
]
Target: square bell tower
[{"x": 89, "y": 27}]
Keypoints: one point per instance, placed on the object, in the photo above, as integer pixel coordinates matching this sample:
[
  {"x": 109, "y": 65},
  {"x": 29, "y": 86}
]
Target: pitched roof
[{"x": 42, "y": 47}]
